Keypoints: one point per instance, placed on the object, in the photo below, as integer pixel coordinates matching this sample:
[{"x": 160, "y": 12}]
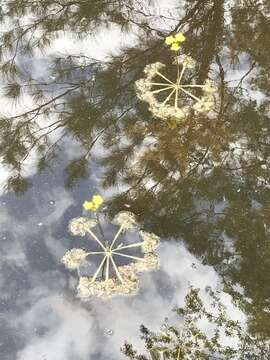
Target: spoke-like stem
[
  {"x": 181, "y": 75},
  {"x": 107, "y": 267},
  {"x": 129, "y": 256},
  {"x": 97, "y": 240},
  {"x": 95, "y": 253},
  {"x": 191, "y": 85},
  {"x": 159, "y": 90},
  {"x": 164, "y": 77},
  {"x": 129, "y": 246},
  {"x": 156, "y": 83},
  {"x": 116, "y": 236},
  {"x": 191, "y": 95},
  {"x": 116, "y": 270},
  {"x": 178, "y": 73},
  {"x": 176, "y": 99},
  {"x": 168, "y": 97},
  {"x": 99, "y": 268}
]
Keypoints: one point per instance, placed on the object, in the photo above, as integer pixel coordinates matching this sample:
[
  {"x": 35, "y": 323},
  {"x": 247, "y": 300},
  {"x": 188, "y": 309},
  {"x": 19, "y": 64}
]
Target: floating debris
[{"x": 109, "y": 332}]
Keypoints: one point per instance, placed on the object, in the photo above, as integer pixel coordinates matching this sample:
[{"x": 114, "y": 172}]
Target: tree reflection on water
[{"x": 204, "y": 180}]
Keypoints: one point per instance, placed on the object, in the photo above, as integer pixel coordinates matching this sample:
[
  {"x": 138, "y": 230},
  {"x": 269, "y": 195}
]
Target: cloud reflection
[{"x": 41, "y": 317}]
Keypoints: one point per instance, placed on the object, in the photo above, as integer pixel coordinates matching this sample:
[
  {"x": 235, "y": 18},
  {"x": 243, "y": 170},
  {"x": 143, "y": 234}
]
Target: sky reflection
[{"x": 41, "y": 317}]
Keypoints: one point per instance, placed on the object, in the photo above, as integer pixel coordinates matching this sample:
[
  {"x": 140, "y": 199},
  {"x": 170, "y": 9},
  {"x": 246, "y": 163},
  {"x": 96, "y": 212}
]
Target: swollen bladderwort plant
[{"x": 110, "y": 278}]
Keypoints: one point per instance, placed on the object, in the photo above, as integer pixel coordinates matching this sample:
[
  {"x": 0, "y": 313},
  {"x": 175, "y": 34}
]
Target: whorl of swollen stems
[
  {"x": 156, "y": 83},
  {"x": 110, "y": 278}
]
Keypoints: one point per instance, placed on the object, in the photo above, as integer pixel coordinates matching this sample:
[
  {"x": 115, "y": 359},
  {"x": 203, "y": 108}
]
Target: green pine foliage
[{"x": 187, "y": 340}]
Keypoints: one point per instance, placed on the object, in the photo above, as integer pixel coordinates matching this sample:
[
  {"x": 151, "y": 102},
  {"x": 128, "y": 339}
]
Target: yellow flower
[
  {"x": 170, "y": 40},
  {"x": 180, "y": 37},
  {"x": 97, "y": 200},
  {"x": 94, "y": 204},
  {"x": 88, "y": 205},
  {"x": 175, "y": 41},
  {"x": 175, "y": 47}
]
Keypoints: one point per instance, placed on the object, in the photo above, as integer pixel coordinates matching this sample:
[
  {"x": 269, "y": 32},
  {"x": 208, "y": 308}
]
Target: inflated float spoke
[
  {"x": 129, "y": 256},
  {"x": 190, "y": 94},
  {"x": 164, "y": 77},
  {"x": 98, "y": 270}
]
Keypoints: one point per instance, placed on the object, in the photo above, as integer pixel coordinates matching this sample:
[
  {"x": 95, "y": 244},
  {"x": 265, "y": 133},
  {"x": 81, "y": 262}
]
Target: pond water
[{"x": 190, "y": 162}]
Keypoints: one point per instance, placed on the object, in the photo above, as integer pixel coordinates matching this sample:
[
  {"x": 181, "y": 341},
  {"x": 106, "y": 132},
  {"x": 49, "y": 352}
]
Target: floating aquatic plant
[
  {"x": 110, "y": 278},
  {"x": 156, "y": 83}
]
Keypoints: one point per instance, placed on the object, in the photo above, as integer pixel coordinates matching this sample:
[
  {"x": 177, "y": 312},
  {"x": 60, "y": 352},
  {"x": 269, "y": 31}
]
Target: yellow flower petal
[
  {"x": 94, "y": 204},
  {"x": 180, "y": 37},
  {"x": 97, "y": 200},
  {"x": 88, "y": 205},
  {"x": 169, "y": 40},
  {"x": 175, "y": 47}
]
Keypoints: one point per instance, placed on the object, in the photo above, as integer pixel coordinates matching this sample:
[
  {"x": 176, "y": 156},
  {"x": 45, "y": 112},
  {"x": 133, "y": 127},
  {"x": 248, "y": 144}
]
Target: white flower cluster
[
  {"x": 74, "y": 258},
  {"x": 162, "y": 109},
  {"x": 80, "y": 225}
]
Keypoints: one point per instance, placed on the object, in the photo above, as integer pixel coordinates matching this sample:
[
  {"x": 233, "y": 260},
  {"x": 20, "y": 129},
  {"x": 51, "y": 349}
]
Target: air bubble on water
[{"x": 109, "y": 332}]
